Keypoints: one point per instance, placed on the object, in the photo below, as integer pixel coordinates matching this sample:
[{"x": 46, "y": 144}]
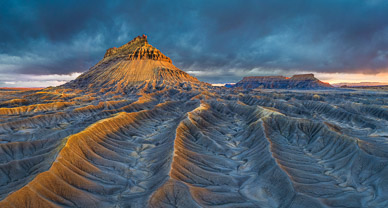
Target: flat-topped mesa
[
  {"x": 262, "y": 78},
  {"x": 303, "y": 77},
  {"x": 298, "y": 81}
]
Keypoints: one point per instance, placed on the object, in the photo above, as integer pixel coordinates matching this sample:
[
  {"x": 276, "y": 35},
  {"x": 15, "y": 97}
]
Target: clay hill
[
  {"x": 134, "y": 64},
  {"x": 135, "y": 131},
  {"x": 299, "y": 81}
]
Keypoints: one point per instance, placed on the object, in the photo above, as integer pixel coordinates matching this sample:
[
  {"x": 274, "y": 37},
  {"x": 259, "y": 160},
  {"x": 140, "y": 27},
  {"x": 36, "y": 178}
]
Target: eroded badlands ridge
[{"x": 171, "y": 141}]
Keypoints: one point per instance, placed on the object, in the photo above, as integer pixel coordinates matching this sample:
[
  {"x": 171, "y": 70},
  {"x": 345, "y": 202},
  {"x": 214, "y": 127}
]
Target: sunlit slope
[
  {"x": 115, "y": 161},
  {"x": 130, "y": 65}
]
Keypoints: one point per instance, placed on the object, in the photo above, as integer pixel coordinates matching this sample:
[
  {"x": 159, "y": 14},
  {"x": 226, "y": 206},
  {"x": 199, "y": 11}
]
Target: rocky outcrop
[
  {"x": 148, "y": 52},
  {"x": 134, "y": 43},
  {"x": 110, "y": 52},
  {"x": 299, "y": 81}
]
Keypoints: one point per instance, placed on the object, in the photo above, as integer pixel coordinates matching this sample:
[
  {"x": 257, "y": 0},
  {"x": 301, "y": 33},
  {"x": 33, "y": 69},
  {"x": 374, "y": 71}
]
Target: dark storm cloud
[{"x": 230, "y": 38}]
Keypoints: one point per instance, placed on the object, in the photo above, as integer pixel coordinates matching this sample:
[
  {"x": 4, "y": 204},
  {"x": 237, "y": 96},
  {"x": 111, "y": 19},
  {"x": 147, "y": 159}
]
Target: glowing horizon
[
  {"x": 41, "y": 81},
  {"x": 336, "y": 78}
]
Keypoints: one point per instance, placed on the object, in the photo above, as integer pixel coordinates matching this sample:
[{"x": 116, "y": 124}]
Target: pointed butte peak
[
  {"x": 139, "y": 39},
  {"x": 137, "y": 49},
  {"x": 132, "y": 64},
  {"x": 127, "y": 48}
]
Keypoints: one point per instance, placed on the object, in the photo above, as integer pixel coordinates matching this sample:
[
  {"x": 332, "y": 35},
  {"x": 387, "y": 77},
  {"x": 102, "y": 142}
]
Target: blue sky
[{"x": 48, "y": 42}]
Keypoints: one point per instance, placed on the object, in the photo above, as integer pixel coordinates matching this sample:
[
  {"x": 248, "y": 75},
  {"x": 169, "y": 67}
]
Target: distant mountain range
[{"x": 299, "y": 81}]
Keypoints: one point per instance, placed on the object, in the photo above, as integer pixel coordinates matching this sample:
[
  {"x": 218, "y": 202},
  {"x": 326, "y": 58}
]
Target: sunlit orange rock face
[
  {"x": 146, "y": 51},
  {"x": 131, "y": 66},
  {"x": 136, "y": 131}
]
